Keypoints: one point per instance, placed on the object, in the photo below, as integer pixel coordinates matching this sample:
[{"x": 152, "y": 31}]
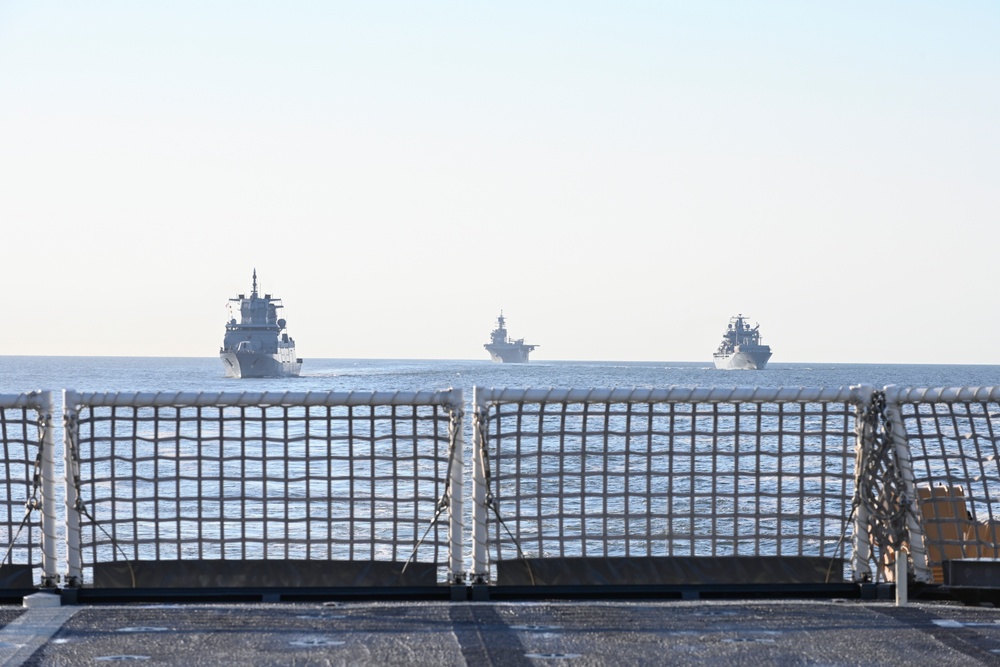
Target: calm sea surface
[
  {"x": 129, "y": 374},
  {"x": 132, "y": 374}
]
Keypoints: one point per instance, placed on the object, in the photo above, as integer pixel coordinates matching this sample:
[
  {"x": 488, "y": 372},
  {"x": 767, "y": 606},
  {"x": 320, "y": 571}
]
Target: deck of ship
[{"x": 833, "y": 632}]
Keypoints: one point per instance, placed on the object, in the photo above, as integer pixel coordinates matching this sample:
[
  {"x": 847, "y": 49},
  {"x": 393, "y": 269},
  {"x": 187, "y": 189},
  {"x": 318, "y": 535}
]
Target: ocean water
[{"x": 130, "y": 374}]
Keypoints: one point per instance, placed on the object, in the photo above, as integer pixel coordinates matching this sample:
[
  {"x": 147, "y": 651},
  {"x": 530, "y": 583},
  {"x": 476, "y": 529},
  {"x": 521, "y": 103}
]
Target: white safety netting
[
  {"x": 25, "y": 431},
  {"x": 349, "y": 477},
  {"x": 673, "y": 472},
  {"x": 947, "y": 441}
]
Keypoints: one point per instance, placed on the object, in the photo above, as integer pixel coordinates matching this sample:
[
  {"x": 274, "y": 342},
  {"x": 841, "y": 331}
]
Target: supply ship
[
  {"x": 740, "y": 348},
  {"x": 258, "y": 346},
  {"x": 505, "y": 350}
]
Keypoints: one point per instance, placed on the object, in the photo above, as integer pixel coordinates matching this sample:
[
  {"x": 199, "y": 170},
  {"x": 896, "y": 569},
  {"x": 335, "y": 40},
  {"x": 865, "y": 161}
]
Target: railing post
[
  {"x": 480, "y": 561},
  {"x": 456, "y": 519},
  {"x": 50, "y": 528},
  {"x": 74, "y": 568},
  {"x": 902, "y": 592},
  {"x": 901, "y": 447},
  {"x": 865, "y": 431}
]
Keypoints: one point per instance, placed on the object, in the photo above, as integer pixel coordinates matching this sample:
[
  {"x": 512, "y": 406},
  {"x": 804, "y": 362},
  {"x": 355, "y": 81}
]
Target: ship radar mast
[
  {"x": 499, "y": 335},
  {"x": 253, "y": 294}
]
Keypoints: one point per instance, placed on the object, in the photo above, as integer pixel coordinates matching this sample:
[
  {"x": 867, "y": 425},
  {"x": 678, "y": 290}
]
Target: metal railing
[
  {"x": 583, "y": 486},
  {"x": 200, "y": 483},
  {"x": 947, "y": 443},
  {"x": 653, "y": 473},
  {"x": 28, "y": 522}
]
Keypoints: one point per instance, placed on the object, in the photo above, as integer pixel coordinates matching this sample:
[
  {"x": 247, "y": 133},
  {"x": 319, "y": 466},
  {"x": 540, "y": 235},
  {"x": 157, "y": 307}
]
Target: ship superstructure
[
  {"x": 257, "y": 345},
  {"x": 741, "y": 348},
  {"x": 504, "y": 349}
]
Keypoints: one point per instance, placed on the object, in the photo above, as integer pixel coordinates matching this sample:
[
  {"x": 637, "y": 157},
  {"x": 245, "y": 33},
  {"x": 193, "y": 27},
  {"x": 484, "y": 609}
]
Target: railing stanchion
[
  {"x": 864, "y": 442},
  {"x": 456, "y": 520},
  {"x": 50, "y": 534},
  {"x": 74, "y": 565},
  {"x": 914, "y": 529},
  {"x": 480, "y": 561}
]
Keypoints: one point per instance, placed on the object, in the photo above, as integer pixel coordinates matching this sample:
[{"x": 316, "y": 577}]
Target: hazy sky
[{"x": 618, "y": 177}]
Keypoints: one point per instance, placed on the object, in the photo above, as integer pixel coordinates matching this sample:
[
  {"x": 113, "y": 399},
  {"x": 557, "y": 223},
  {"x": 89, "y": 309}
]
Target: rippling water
[
  {"x": 131, "y": 374},
  {"x": 127, "y": 374}
]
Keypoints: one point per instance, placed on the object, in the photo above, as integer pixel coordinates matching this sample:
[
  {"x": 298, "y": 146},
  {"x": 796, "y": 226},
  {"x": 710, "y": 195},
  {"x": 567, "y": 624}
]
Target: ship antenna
[{"x": 254, "y": 294}]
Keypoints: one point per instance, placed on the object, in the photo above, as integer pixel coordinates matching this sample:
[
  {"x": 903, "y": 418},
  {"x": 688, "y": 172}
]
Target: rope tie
[
  {"x": 444, "y": 502},
  {"x": 71, "y": 423},
  {"x": 878, "y": 482},
  {"x": 33, "y": 502},
  {"x": 491, "y": 502}
]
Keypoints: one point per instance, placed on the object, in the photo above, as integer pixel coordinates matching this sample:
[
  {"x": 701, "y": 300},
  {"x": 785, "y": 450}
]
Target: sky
[{"x": 618, "y": 178}]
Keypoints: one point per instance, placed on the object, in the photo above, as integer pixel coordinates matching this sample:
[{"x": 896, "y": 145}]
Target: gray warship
[
  {"x": 741, "y": 348},
  {"x": 505, "y": 350},
  {"x": 257, "y": 346}
]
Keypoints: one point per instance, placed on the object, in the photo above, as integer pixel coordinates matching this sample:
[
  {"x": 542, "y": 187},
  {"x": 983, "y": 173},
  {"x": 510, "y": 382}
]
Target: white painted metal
[
  {"x": 71, "y": 470},
  {"x": 898, "y": 394},
  {"x": 480, "y": 559},
  {"x": 50, "y": 521},
  {"x": 917, "y": 538},
  {"x": 861, "y": 541},
  {"x": 456, "y": 521}
]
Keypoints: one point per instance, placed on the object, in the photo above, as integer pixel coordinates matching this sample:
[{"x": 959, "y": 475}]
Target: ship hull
[
  {"x": 259, "y": 365},
  {"x": 743, "y": 360},
  {"x": 509, "y": 354}
]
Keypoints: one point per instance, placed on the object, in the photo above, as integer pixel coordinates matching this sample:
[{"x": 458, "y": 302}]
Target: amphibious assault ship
[
  {"x": 505, "y": 350},
  {"x": 740, "y": 348},
  {"x": 257, "y": 346}
]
